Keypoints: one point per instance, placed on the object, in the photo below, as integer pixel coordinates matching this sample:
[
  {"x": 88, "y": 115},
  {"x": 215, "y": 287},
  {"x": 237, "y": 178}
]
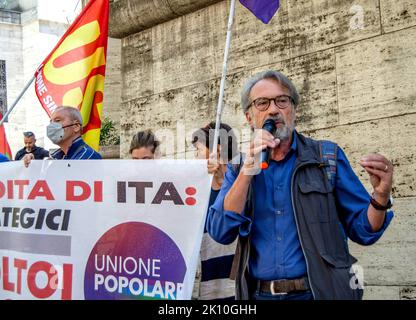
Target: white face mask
[{"x": 55, "y": 131}]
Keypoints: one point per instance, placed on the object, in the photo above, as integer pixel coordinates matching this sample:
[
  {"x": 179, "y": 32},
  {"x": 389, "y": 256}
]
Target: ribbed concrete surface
[{"x": 131, "y": 16}]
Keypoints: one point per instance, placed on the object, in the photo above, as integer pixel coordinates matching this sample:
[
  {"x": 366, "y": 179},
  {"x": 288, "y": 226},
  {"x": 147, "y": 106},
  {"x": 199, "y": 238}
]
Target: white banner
[{"x": 101, "y": 229}]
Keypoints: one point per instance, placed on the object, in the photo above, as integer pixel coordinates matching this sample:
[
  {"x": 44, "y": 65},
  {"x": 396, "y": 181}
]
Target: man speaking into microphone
[
  {"x": 270, "y": 126},
  {"x": 292, "y": 210}
]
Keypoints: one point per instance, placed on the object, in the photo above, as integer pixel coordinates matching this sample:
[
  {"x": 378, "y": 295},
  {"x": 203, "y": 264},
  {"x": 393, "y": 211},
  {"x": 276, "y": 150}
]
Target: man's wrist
[
  {"x": 381, "y": 198},
  {"x": 381, "y": 201},
  {"x": 216, "y": 183},
  {"x": 248, "y": 172}
]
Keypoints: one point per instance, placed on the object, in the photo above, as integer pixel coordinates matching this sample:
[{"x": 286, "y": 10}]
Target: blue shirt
[
  {"x": 276, "y": 252},
  {"x": 79, "y": 150},
  {"x": 3, "y": 158}
]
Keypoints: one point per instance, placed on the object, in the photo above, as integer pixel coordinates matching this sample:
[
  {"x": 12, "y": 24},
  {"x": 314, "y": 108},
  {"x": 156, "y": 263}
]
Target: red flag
[
  {"x": 73, "y": 73},
  {"x": 4, "y": 145}
]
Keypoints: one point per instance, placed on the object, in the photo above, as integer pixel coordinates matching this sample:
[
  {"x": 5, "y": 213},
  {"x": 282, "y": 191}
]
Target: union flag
[{"x": 73, "y": 73}]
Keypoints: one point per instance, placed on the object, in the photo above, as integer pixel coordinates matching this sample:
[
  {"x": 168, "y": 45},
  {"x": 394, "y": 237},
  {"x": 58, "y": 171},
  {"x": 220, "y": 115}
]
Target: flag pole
[
  {"x": 224, "y": 75},
  {"x": 17, "y": 100}
]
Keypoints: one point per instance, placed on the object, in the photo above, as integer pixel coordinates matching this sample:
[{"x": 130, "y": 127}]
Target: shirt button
[
  {"x": 279, "y": 239},
  {"x": 279, "y": 212}
]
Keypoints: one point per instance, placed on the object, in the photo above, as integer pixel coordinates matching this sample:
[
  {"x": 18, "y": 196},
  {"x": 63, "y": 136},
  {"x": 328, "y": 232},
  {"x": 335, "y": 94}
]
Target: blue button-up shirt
[
  {"x": 276, "y": 251},
  {"x": 79, "y": 150}
]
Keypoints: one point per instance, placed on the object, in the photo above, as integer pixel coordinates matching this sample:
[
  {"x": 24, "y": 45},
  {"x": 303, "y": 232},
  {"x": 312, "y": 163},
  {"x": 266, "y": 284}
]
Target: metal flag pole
[
  {"x": 224, "y": 75},
  {"x": 17, "y": 100},
  {"x": 83, "y": 3}
]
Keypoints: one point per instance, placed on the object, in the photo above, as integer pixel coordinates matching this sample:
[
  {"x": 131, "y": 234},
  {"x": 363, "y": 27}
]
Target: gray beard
[{"x": 283, "y": 133}]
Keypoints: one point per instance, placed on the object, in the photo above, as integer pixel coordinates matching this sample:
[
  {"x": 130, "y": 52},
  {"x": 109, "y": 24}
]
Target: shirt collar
[
  {"x": 293, "y": 147},
  {"x": 59, "y": 154},
  {"x": 74, "y": 147},
  {"x": 294, "y": 144}
]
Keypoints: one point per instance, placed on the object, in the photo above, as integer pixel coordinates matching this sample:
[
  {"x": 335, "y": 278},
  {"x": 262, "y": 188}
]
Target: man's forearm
[
  {"x": 236, "y": 197},
  {"x": 376, "y": 218}
]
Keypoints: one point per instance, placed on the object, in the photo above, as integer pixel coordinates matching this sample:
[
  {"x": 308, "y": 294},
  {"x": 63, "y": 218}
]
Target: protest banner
[{"x": 101, "y": 229}]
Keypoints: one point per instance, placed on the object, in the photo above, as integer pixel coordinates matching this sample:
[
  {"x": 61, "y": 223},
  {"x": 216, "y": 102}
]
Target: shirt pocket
[
  {"x": 317, "y": 201},
  {"x": 342, "y": 276},
  {"x": 339, "y": 261}
]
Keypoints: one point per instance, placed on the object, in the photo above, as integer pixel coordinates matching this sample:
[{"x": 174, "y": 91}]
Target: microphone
[{"x": 270, "y": 126}]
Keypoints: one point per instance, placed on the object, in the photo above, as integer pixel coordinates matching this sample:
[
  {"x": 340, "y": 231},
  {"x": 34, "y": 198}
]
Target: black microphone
[{"x": 270, "y": 126}]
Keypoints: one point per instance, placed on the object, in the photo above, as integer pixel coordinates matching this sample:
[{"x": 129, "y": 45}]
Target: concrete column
[{"x": 132, "y": 16}]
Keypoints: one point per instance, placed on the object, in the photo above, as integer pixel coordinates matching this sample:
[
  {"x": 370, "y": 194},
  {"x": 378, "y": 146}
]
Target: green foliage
[{"x": 109, "y": 135}]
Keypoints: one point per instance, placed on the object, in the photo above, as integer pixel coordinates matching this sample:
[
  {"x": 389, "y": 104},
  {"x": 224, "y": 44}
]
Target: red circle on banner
[
  {"x": 190, "y": 191},
  {"x": 190, "y": 201}
]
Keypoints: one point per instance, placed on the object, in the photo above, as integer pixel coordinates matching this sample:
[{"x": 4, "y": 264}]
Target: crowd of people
[{"x": 271, "y": 234}]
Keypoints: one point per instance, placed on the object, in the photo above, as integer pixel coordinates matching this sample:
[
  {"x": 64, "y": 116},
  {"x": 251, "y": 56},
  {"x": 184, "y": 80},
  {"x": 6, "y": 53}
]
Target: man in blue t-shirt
[{"x": 65, "y": 130}]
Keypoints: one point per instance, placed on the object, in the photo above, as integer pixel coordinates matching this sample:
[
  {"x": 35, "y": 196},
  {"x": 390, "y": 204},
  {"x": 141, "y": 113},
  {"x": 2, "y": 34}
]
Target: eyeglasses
[
  {"x": 28, "y": 134},
  {"x": 282, "y": 102}
]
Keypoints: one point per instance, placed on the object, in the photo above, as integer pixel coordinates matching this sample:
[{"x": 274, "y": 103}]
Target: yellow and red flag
[
  {"x": 4, "y": 145},
  {"x": 73, "y": 73}
]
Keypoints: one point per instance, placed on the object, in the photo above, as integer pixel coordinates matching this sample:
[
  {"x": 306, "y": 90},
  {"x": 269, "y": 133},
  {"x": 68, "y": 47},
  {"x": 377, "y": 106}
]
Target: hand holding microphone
[
  {"x": 259, "y": 149},
  {"x": 270, "y": 126}
]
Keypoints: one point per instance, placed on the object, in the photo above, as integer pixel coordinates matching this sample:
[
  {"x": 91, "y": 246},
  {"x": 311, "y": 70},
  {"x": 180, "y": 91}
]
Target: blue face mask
[{"x": 55, "y": 131}]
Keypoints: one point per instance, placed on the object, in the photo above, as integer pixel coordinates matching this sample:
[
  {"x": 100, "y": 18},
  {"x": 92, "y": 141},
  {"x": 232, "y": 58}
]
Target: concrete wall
[
  {"x": 354, "y": 64},
  {"x": 112, "y": 87}
]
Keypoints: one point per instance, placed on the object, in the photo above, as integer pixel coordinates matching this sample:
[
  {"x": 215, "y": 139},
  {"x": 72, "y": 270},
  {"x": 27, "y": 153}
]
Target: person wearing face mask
[
  {"x": 65, "y": 130},
  {"x": 292, "y": 219},
  {"x": 29, "y": 140}
]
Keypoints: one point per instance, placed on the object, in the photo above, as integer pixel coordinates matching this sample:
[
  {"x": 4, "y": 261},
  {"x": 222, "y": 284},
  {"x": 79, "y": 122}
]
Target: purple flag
[{"x": 264, "y": 10}]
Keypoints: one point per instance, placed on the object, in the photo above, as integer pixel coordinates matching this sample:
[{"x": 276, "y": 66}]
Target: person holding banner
[
  {"x": 293, "y": 218},
  {"x": 143, "y": 145},
  {"x": 30, "y": 147},
  {"x": 216, "y": 259},
  {"x": 65, "y": 130}
]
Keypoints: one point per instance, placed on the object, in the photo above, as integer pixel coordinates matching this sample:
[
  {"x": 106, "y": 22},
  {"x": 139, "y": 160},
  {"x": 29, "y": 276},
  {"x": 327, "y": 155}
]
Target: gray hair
[
  {"x": 268, "y": 74},
  {"x": 73, "y": 113}
]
